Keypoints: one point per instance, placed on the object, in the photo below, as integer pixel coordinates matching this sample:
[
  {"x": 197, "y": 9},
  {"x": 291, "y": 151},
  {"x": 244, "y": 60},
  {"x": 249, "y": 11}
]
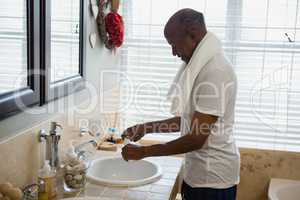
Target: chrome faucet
[
  {"x": 78, "y": 148},
  {"x": 52, "y": 140},
  {"x": 83, "y": 131}
]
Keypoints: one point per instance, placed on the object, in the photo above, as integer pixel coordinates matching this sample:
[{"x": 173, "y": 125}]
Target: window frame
[
  {"x": 52, "y": 91},
  {"x": 39, "y": 90},
  {"x": 29, "y": 95}
]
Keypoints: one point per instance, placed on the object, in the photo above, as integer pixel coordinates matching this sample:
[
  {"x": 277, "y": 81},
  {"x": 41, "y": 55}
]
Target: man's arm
[
  {"x": 136, "y": 132},
  {"x": 201, "y": 128},
  {"x": 163, "y": 126}
]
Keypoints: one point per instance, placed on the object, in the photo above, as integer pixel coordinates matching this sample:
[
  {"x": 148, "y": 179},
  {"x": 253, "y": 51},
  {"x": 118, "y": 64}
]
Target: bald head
[
  {"x": 185, "y": 20},
  {"x": 183, "y": 31}
]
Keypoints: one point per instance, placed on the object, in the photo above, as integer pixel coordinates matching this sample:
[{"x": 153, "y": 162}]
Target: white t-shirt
[{"x": 217, "y": 163}]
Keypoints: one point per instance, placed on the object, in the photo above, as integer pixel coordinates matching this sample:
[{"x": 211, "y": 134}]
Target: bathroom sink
[
  {"x": 114, "y": 171},
  {"x": 283, "y": 189}
]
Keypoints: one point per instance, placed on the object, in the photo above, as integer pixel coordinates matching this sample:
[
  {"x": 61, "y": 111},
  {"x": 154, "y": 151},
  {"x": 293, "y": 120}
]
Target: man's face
[{"x": 182, "y": 44}]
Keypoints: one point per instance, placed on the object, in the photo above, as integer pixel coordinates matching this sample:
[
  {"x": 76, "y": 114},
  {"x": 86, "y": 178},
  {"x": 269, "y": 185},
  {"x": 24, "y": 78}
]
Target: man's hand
[
  {"x": 133, "y": 152},
  {"x": 134, "y": 133}
]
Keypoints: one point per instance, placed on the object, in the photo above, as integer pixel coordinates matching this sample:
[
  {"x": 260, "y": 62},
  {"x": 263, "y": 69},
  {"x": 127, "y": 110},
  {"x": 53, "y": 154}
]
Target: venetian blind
[
  {"x": 260, "y": 38},
  {"x": 13, "y": 45},
  {"x": 65, "y": 24}
]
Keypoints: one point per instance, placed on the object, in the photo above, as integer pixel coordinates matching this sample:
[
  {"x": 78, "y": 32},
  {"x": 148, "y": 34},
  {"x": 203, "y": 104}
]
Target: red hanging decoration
[
  {"x": 115, "y": 28},
  {"x": 110, "y": 26}
]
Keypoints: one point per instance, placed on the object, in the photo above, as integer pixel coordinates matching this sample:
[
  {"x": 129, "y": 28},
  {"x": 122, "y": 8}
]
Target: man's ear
[{"x": 193, "y": 32}]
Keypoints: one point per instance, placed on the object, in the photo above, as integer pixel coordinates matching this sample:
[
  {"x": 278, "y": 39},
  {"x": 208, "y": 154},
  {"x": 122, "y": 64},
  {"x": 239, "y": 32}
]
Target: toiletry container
[
  {"x": 75, "y": 169},
  {"x": 47, "y": 182}
]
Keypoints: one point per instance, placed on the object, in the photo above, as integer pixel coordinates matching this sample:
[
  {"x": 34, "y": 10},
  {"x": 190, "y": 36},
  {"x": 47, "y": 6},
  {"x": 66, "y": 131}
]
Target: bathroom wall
[{"x": 259, "y": 166}]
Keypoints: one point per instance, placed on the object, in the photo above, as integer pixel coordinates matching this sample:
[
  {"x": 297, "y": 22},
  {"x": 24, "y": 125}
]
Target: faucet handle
[
  {"x": 42, "y": 135},
  {"x": 53, "y": 127},
  {"x": 83, "y": 131},
  {"x": 80, "y": 146},
  {"x": 83, "y": 155}
]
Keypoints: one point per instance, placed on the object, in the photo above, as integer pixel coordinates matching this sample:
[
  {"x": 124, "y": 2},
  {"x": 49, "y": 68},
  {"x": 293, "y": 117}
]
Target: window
[
  {"x": 42, "y": 51},
  {"x": 266, "y": 64},
  {"x": 260, "y": 37},
  {"x": 13, "y": 44},
  {"x": 65, "y": 19},
  {"x": 64, "y": 47},
  {"x": 18, "y": 85}
]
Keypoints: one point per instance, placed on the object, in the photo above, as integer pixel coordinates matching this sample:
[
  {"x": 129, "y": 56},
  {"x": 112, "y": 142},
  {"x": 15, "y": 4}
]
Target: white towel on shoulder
[{"x": 181, "y": 88}]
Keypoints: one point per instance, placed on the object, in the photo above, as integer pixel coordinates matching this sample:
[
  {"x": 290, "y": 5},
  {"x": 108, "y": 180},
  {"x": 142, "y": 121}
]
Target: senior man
[{"x": 203, "y": 99}]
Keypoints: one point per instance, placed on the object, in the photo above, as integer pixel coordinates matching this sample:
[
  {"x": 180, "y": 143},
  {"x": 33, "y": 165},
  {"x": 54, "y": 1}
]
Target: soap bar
[{"x": 107, "y": 146}]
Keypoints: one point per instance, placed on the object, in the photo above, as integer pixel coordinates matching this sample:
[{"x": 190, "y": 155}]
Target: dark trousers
[{"x": 189, "y": 193}]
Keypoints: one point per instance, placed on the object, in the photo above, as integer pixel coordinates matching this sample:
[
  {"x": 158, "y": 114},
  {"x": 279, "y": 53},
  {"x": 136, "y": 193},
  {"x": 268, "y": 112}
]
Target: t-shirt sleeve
[{"x": 212, "y": 91}]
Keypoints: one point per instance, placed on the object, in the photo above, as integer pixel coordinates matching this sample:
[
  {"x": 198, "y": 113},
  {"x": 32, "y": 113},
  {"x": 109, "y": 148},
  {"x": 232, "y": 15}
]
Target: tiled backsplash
[
  {"x": 21, "y": 156},
  {"x": 20, "y": 160},
  {"x": 258, "y": 166}
]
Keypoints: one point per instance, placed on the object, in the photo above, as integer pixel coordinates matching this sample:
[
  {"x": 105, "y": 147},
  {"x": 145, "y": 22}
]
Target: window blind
[
  {"x": 65, "y": 18},
  {"x": 13, "y": 45},
  {"x": 260, "y": 38}
]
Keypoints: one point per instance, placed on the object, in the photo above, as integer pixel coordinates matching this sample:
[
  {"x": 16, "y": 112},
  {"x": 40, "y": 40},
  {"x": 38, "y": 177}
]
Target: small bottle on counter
[
  {"x": 47, "y": 182},
  {"x": 114, "y": 136}
]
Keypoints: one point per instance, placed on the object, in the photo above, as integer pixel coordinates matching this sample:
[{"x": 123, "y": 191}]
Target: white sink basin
[
  {"x": 283, "y": 189},
  {"x": 114, "y": 171}
]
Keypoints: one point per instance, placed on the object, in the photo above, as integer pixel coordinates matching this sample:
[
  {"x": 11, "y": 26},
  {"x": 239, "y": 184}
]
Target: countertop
[{"x": 163, "y": 189}]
